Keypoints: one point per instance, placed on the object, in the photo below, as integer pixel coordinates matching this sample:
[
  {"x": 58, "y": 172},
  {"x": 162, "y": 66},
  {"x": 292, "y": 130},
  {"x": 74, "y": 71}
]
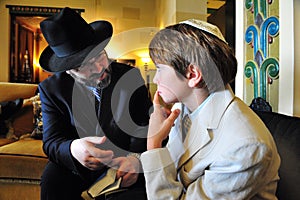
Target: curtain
[{"x": 25, "y": 55}]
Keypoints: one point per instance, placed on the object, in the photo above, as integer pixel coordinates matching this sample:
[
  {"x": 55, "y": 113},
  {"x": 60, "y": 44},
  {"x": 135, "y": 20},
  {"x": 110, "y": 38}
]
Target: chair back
[{"x": 286, "y": 133}]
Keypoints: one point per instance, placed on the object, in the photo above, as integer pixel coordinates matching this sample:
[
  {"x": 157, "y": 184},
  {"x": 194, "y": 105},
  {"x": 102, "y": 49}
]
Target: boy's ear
[{"x": 194, "y": 75}]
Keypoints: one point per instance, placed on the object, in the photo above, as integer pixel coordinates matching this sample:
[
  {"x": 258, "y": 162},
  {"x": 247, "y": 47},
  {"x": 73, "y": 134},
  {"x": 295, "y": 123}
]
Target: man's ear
[{"x": 194, "y": 75}]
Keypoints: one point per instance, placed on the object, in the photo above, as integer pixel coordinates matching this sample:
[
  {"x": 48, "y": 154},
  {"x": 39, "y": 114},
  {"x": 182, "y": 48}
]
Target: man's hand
[
  {"x": 88, "y": 155},
  {"x": 160, "y": 124},
  {"x": 128, "y": 168}
]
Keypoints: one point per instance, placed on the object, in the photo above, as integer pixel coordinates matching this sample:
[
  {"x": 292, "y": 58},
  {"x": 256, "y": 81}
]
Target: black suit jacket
[{"x": 68, "y": 110}]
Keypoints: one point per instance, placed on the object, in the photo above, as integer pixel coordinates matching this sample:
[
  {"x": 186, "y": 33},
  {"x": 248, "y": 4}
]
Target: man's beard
[
  {"x": 93, "y": 80},
  {"x": 96, "y": 83}
]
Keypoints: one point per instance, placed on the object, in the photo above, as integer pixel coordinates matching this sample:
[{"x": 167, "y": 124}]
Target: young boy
[{"x": 217, "y": 148}]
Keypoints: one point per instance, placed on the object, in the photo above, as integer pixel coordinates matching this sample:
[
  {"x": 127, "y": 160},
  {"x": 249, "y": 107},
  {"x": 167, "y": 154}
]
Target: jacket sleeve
[
  {"x": 237, "y": 174},
  {"x": 160, "y": 175},
  {"x": 57, "y": 134}
]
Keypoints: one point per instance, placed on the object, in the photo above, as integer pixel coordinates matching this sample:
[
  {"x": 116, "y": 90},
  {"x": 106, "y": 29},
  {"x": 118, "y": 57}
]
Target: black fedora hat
[{"x": 71, "y": 39}]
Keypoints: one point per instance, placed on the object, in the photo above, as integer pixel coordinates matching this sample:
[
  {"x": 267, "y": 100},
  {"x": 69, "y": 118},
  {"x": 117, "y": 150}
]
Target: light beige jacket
[{"x": 227, "y": 154}]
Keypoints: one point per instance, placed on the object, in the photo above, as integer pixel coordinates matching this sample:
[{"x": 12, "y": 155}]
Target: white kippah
[{"x": 205, "y": 26}]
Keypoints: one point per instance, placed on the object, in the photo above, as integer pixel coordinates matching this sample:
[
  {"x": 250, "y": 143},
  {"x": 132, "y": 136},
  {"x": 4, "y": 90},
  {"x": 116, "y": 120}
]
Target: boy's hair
[{"x": 181, "y": 44}]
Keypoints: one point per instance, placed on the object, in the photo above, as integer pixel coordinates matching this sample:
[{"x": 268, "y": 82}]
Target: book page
[
  {"x": 103, "y": 183},
  {"x": 114, "y": 186}
]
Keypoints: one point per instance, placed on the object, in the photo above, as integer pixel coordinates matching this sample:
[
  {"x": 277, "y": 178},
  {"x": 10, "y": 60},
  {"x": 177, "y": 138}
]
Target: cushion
[
  {"x": 28, "y": 121},
  {"x": 7, "y": 110},
  {"x": 4, "y": 141},
  {"x": 18, "y": 124},
  {"x": 22, "y": 159},
  {"x": 37, "y": 132},
  {"x": 14, "y": 91},
  {"x": 22, "y": 122},
  {"x": 286, "y": 132}
]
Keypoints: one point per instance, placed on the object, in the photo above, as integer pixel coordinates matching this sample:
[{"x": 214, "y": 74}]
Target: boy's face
[{"x": 170, "y": 87}]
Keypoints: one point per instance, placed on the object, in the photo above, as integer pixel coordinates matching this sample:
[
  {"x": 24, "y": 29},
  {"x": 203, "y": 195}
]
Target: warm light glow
[
  {"x": 145, "y": 59},
  {"x": 36, "y": 63}
]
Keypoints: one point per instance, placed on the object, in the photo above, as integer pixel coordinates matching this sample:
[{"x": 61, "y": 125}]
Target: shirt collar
[{"x": 193, "y": 114}]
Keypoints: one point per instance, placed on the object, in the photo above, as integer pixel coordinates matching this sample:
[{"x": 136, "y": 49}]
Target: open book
[{"x": 105, "y": 184}]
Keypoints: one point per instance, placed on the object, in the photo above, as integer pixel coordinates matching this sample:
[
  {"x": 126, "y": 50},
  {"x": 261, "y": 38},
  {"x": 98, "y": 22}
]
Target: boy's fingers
[
  {"x": 156, "y": 98},
  {"x": 173, "y": 116},
  {"x": 170, "y": 120}
]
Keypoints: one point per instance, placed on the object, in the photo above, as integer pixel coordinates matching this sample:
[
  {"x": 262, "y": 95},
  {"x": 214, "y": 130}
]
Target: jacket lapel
[
  {"x": 208, "y": 118},
  {"x": 83, "y": 109},
  {"x": 194, "y": 142}
]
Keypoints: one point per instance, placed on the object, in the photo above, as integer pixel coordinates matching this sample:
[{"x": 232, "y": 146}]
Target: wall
[
  {"x": 129, "y": 18},
  {"x": 5, "y": 30},
  {"x": 262, "y": 70},
  {"x": 219, "y": 18},
  {"x": 186, "y": 9},
  {"x": 134, "y": 23},
  {"x": 166, "y": 12},
  {"x": 289, "y": 86},
  {"x": 162, "y": 13},
  {"x": 297, "y": 58}
]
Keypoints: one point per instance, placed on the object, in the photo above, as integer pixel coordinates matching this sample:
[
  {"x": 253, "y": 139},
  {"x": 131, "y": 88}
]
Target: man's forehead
[{"x": 93, "y": 57}]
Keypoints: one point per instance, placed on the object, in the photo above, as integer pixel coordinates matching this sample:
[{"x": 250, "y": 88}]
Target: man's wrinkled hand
[
  {"x": 128, "y": 169},
  {"x": 85, "y": 151}
]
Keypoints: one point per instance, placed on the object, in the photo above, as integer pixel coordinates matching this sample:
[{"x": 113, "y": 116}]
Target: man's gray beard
[
  {"x": 94, "y": 79},
  {"x": 98, "y": 84},
  {"x": 101, "y": 84}
]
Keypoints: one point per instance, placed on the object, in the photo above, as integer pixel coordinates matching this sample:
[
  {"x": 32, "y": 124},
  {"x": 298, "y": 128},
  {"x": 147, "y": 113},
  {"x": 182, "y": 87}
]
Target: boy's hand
[{"x": 160, "y": 124}]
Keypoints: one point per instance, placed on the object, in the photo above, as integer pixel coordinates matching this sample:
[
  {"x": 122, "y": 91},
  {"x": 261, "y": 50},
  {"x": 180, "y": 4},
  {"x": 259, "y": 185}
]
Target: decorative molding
[
  {"x": 36, "y": 10},
  {"x": 262, "y": 67}
]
